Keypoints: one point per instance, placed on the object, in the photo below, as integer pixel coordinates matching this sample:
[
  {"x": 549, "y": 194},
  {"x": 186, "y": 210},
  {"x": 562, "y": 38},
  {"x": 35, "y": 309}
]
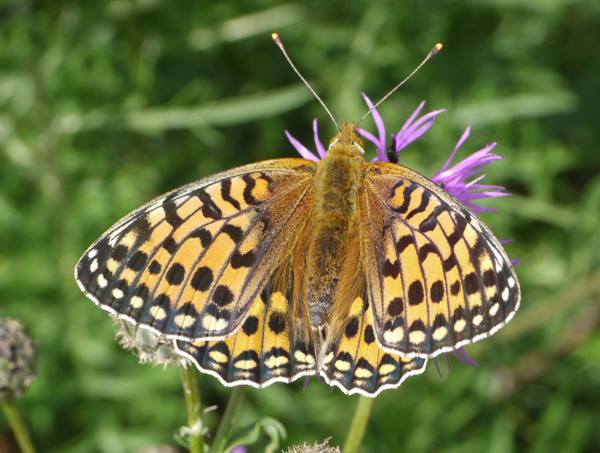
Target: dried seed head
[
  {"x": 148, "y": 346},
  {"x": 17, "y": 359},
  {"x": 317, "y": 447}
]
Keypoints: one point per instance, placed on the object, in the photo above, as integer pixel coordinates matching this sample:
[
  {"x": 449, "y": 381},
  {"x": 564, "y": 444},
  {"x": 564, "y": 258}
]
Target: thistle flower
[
  {"x": 462, "y": 179},
  {"x": 17, "y": 359},
  {"x": 413, "y": 128}
]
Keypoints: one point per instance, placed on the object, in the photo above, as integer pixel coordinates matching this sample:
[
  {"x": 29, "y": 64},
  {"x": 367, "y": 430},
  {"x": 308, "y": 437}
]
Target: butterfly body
[
  {"x": 335, "y": 217},
  {"x": 353, "y": 271}
]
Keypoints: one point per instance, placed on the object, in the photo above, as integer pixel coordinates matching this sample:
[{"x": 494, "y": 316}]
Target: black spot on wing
[
  {"x": 226, "y": 194},
  {"x": 137, "y": 261},
  {"x": 175, "y": 274},
  {"x": 276, "y": 322},
  {"x": 202, "y": 278},
  {"x": 415, "y": 293},
  {"x": 154, "y": 267},
  {"x": 222, "y": 295},
  {"x": 209, "y": 208},
  {"x": 396, "y": 306},
  {"x": 459, "y": 229},
  {"x": 422, "y": 206},
  {"x": 391, "y": 269},
  {"x": 394, "y": 187},
  {"x": 406, "y": 198},
  {"x": 426, "y": 250},
  {"x": 249, "y": 186},
  {"x": 204, "y": 235},
  {"x": 404, "y": 242},
  {"x": 437, "y": 291},
  {"x": 170, "y": 245},
  {"x": 142, "y": 229},
  {"x": 352, "y": 327},
  {"x": 250, "y": 325},
  {"x": 171, "y": 215},
  {"x": 432, "y": 220},
  {"x": 234, "y": 232},
  {"x": 243, "y": 259}
]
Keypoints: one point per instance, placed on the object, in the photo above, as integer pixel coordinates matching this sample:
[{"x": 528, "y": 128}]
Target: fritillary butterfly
[{"x": 353, "y": 271}]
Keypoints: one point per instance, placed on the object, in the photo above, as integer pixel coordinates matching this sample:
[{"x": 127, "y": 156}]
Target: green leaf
[{"x": 251, "y": 434}]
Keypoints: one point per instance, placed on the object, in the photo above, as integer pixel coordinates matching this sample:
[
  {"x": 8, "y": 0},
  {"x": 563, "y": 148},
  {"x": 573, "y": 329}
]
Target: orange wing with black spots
[
  {"x": 263, "y": 351},
  {"x": 190, "y": 263},
  {"x": 437, "y": 277},
  {"x": 355, "y": 363}
]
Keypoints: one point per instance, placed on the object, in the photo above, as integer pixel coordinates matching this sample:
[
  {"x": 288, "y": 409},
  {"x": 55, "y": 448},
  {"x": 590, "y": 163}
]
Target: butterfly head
[{"x": 347, "y": 137}]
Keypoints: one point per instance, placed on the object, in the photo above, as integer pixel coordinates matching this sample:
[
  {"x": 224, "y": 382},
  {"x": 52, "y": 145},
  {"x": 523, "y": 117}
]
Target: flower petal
[
  {"x": 320, "y": 148},
  {"x": 456, "y": 179},
  {"x": 379, "y": 142},
  {"x": 407, "y": 136},
  {"x": 461, "y": 140},
  {"x": 412, "y": 117},
  {"x": 302, "y": 150}
]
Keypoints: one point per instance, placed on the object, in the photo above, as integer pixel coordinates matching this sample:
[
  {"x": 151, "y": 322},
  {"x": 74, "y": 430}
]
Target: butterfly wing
[
  {"x": 190, "y": 263},
  {"x": 266, "y": 349},
  {"x": 355, "y": 363},
  {"x": 437, "y": 277}
]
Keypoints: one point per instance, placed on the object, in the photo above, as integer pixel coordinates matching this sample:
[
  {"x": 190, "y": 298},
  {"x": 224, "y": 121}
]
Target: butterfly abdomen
[{"x": 336, "y": 190}]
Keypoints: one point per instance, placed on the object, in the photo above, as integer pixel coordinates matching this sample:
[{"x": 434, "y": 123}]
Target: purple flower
[
  {"x": 239, "y": 449},
  {"x": 411, "y": 130},
  {"x": 456, "y": 179},
  {"x": 463, "y": 179}
]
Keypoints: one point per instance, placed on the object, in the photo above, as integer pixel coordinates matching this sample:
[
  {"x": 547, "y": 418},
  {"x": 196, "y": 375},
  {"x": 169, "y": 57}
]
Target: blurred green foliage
[{"x": 104, "y": 105}]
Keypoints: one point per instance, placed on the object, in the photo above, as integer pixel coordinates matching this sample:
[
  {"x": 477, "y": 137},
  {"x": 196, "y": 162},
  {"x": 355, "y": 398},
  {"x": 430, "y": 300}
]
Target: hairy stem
[
  {"x": 193, "y": 403},
  {"x": 231, "y": 410},
  {"x": 18, "y": 426},
  {"x": 360, "y": 420}
]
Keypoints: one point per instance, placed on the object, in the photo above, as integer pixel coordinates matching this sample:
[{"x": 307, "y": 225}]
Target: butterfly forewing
[
  {"x": 189, "y": 264},
  {"x": 437, "y": 277}
]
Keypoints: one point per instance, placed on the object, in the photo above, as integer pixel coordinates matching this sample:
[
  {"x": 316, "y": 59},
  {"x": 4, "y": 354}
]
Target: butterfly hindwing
[
  {"x": 190, "y": 263},
  {"x": 355, "y": 363},
  {"x": 437, "y": 276},
  {"x": 261, "y": 352}
]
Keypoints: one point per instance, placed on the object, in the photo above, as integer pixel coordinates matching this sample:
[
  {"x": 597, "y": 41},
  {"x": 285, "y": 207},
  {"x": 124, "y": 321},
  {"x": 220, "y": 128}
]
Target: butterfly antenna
[
  {"x": 431, "y": 53},
  {"x": 279, "y": 43}
]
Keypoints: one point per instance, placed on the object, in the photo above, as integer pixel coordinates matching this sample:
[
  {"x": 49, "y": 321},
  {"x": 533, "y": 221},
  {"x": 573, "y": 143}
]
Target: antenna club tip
[
  {"x": 438, "y": 46},
  {"x": 276, "y": 38}
]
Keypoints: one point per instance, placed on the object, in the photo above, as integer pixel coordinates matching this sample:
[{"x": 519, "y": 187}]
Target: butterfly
[{"x": 352, "y": 271}]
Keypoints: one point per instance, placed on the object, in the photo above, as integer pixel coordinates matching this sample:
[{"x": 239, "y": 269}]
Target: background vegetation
[{"x": 104, "y": 105}]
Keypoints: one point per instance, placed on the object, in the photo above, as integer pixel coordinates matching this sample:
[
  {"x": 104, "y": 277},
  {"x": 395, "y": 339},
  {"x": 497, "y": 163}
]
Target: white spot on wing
[{"x": 102, "y": 282}]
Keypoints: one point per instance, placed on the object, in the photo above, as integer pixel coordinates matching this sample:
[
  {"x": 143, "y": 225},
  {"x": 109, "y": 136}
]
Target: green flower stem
[
  {"x": 359, "y": 424},
  {"x": 18, "y": 426},
  {"x": 193, "y": 403},
  {"x": 231, "y": 410}
]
